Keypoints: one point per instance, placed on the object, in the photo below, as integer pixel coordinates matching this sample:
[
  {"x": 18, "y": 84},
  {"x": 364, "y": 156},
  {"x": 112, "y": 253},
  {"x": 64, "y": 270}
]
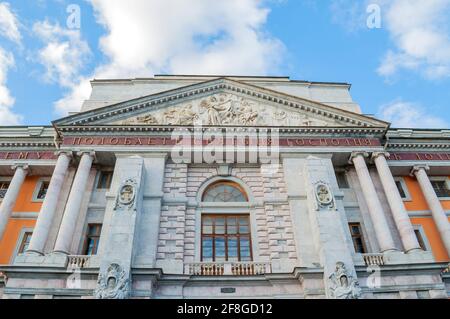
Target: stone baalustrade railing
[
  {"x": 228, "y": 269},
  {"x": 75, "y": 261},
  {"x": 373, "y": 259}
]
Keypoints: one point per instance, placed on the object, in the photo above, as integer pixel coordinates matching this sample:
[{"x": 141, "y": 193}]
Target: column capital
[
  {"x": 376, "y": 154},
  {"x": 91, "y": 153},
  {"x": 67, "y": 153},
  {"x": 417, "y": 168},
  {"x": 24, "y": 166},
  {"x": 356, "y": 154}
]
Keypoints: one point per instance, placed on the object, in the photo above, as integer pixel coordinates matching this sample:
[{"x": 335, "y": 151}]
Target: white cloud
[
  {"x": 421, "y": 35},
  {"x": 9, "y": 29},
  {"x": 409, "y": 115},
  {"x": 7, "y": 116},
  {"x": 64, "y": 53},
  {"x": 9, "y": 24},
  {"x": 144, "y": 37}
]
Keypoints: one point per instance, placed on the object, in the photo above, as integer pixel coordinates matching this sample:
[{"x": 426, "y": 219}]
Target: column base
[
  {"x": 34, "y": 253},
  {"x": 414, "y": 251},
  {"x": 60, "y": 252},
  {"x": 390, "y": 250}
]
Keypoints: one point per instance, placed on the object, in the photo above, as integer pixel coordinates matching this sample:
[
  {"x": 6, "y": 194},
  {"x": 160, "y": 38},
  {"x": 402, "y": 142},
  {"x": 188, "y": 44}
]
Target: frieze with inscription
[
  {"x": 414, "y": 156},
  {"x": 28, "y": 155},
  {"x": 169, "y": 141}
]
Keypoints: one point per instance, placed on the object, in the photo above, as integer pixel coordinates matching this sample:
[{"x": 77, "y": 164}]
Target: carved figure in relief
[
  {"x": 342, "y": 284},
  {"x": 113, "y": 284},
  {"x": 216, "y": 108},
  {"x": 147, "y": 119}
]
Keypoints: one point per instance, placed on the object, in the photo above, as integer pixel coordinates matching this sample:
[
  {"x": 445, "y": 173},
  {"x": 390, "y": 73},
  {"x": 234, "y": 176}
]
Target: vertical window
[
  {"x": 3, "y": 189},
  {"x": 401, "y": 190},
  {"x": 357, "y": 238},
  {"x": 25, "y": 242},
  {"x": 104, "y": 180},
  {"x": 420, "y": 239},
  {"x": 43, "y": 190},
  {"x": 441, "y": 188},
  {"x": 226, "y": 238},
  {"x": 92, "y": 239},
  {"x": 342, "y": 180}
]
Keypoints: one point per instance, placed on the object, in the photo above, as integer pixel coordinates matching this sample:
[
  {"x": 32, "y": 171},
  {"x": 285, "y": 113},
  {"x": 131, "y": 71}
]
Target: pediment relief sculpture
[{"x": 225, "y": 109}]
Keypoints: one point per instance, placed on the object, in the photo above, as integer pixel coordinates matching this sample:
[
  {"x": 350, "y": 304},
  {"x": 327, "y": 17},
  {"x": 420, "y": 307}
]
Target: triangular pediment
[{"x": 221, "y": 102}]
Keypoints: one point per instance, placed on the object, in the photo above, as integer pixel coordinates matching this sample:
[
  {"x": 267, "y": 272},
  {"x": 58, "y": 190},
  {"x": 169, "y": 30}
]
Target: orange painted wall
[
  {"x": 24, "y": 204},
  {"x": 418, "y": 203}
]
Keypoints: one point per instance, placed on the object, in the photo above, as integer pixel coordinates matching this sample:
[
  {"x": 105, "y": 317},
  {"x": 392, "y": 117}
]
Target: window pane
[
  {"x": 207, "y": 249},
  {"x": 245, "y": 249},
  {"x": 233, "y": 249},
  {"x": 342, "y": 180},
  {"x": 3, "y": 188},
  {"x": 219, "y": 243},
  {"x": 43, "y": 190},
  {"x": 441, "y": 189},
  {"x": 420, "y": 239},
  {"x": 359, "y": 247},
  {"x": 400, "y": 189},
  {"x": 220, "y": 226},
  {"x": 231, "y": 225},
  {"x": 25, "y": 242},
  {"x": 207, "y": 225},
  {"x": 355, "y": 230}
]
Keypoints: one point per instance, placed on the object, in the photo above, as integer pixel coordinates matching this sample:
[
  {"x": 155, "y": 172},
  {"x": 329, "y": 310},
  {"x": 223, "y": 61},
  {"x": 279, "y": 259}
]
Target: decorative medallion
[
  {"x": 113, "y": 284},
  {"x": 342, "y": 284},
  {"x": 127, "y": 194},
  {"x": 324, "y": 196}
]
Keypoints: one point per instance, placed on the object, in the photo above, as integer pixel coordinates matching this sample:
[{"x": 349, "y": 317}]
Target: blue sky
[{"x": 399, "y": 72}]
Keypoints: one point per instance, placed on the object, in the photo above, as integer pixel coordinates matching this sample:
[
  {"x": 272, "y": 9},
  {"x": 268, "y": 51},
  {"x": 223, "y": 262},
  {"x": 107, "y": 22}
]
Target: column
[
  {"x": 373, "y": 202},
  {"x": 395, "y": 201},
  {"x": 48, "y": 209},
  {"x": 67, "y": 228},
  {"x": 9, "y": 201},
  {"x": 439, "y": 216}
]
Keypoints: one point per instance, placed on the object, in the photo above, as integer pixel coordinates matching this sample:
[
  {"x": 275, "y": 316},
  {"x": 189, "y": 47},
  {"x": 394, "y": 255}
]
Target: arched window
[{"x": 224, "y": 192}]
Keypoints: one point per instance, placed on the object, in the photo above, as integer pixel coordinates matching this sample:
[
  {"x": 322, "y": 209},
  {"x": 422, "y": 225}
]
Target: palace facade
[{"x": 223, "y": 187}]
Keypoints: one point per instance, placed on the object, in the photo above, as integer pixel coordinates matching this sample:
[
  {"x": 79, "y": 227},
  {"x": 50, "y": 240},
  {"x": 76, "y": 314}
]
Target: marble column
[
  {"x": 48, "y": 209},
  {"x": 9, "y": 201},
  {"x": 68, "y": 224},
  {"x": 379, "y": 221},
  {"x": 395, "y": 201},
  {"x": 438, "y": 213}
]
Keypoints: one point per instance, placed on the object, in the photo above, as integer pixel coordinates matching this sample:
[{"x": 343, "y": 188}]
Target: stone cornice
[
  {"x": 379, "y": 131},
  {"x": 154, "y": 101}
]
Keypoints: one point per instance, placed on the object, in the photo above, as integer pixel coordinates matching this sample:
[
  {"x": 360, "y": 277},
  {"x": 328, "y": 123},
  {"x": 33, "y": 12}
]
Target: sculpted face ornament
[
  {"x": 127, "y": 194},
  {"x": 324, "y": 197},
  {"x": 342, "y": 284},
  {"x": 113, "y": 284}
]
